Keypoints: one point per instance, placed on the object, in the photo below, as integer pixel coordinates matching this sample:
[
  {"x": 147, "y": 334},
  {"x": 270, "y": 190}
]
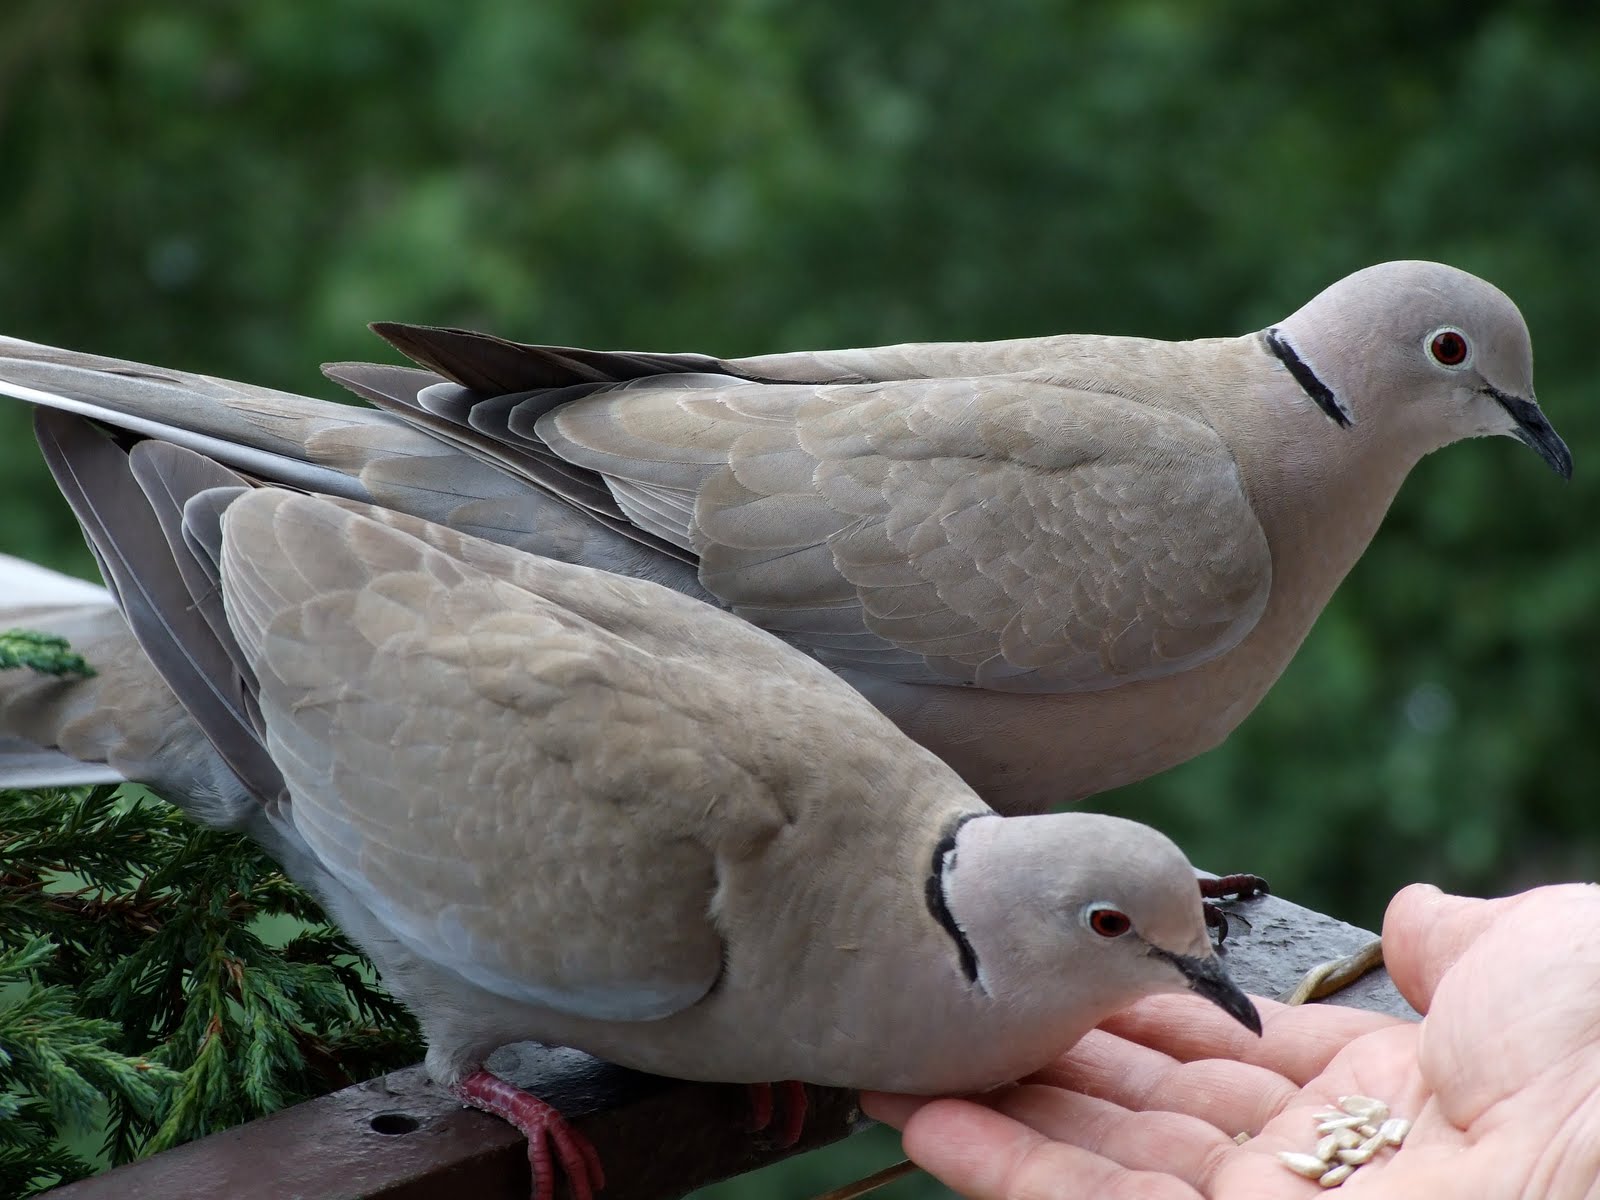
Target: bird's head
[
  {"x": 1418, "y": 351},
  {"x": 1072, "y": 916}
]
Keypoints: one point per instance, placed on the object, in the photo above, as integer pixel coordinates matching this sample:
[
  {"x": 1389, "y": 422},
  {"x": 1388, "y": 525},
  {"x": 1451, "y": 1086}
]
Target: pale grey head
[
  {"x": 1084, "y": 906},
  {"x": 1429, "y": 353}
]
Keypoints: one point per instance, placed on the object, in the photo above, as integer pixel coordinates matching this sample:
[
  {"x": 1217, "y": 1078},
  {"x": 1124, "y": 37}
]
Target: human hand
[{"x": 1501, "y": 1078}]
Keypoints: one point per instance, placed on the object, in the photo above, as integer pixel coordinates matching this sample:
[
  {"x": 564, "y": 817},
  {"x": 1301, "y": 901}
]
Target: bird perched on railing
[{"x": 554, "y": 804}]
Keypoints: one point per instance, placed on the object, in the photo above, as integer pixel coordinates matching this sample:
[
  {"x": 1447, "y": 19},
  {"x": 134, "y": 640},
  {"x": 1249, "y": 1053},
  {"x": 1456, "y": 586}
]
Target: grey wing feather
[
  {"x": 1003, "y": 532},
  {"x": 169, "y": 475},
  {"x": 392, "y": 654},
  {"x": 275, "y": 435},
  {"x": 94, "y": 476},
  {"x": 483, "y": 425}
]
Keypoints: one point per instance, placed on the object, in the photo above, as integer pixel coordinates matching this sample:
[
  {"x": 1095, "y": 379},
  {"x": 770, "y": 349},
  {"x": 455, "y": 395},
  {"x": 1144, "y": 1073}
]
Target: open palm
[{"x": 1501, "y": 1077}]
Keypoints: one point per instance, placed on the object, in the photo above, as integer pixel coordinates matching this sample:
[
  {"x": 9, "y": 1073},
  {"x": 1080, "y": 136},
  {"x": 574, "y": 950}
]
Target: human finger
[
  {"x": 892, "y": 1108},
  {"x": 989, "y": 1155},
  {"x": 1229, "y": 1096},
  {"x": 1296, "y": 1042}
]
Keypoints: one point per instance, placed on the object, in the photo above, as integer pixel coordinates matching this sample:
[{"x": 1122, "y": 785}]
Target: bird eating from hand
[{"x": 553, "y": 804}]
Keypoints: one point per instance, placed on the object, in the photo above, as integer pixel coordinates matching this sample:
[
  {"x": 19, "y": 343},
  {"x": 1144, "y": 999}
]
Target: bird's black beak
[
  {"x": 1207, "y": 977},
  {"x": 1535, "y": 432}
]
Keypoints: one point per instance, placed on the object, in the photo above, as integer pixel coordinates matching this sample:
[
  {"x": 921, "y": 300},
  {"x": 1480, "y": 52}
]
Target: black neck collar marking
[
  {"x": 943, "y": 855},
  {"x": 1321, "y": 394}
]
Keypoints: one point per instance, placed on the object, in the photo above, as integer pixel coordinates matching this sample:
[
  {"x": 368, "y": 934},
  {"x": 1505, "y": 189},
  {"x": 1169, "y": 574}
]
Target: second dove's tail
[
  {"x": 40, "y": 712},
  {"x": 121, "y": 723},
  {"x": 27, "y": 585}
]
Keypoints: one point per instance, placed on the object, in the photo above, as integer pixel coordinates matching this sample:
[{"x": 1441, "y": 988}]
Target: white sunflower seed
[
  {"x": 1394, "y": 1130},
  {"x": 1364, "y": 1107},
  {"x": 1339, "y": 1139},
  {"x": 1308, "y": 1165},
  {"x": 1334, "y": 1176},
  {"x": 1346, "y": 1122},
  {"x": 1357, "y": 1155}
]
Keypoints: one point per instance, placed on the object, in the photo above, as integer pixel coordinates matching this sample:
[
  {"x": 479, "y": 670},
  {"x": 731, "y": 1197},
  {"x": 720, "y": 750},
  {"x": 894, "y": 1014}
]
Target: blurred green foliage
[{"x": 237, "y": 188}]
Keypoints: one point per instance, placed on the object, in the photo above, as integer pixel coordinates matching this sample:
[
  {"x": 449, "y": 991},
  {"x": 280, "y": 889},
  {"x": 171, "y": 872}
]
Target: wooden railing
[{"x": 399, "y": 1137}]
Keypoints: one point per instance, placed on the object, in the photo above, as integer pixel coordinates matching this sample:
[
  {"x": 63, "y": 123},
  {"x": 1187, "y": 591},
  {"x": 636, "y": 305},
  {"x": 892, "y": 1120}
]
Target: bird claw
[
  {"x": 794, "y": 1111},
  {"x": 1228, "y": 887},
  {"x": 546, "y": 1130},
  {"x": 1216, "y": 921}
]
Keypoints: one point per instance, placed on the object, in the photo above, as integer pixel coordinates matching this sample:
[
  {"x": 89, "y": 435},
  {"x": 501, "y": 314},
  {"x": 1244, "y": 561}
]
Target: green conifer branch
[
  {"x": 43, "y": 652},
  {"x": 154, "y": 935},
  {"x": 57, "y": 1066},
  {"x": 31, "y": 1159}
]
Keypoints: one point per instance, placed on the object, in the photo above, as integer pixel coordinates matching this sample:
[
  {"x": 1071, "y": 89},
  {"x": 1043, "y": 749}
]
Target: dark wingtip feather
[
  {"x": 492, "y": 365},
  {"x": 120, "y": 517}
]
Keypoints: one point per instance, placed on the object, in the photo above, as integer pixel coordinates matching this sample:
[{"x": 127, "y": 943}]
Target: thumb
[{"x": 1425, "y": 931}]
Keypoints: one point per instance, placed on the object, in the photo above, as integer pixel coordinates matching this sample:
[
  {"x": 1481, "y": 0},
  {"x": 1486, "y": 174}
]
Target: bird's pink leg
[
  {"x": 794, "y": 1110},
  {"x": 544, "y": 1128}
]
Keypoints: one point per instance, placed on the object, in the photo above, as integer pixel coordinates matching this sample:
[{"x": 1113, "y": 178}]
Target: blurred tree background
[{"x": 238, "y": 188}]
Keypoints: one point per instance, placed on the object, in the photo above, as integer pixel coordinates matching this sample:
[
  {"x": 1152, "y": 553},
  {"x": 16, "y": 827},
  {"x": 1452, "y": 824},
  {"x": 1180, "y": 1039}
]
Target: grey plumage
[
  {"x": 1062, "y": 563},
  {"x": 559, "y": 804}
]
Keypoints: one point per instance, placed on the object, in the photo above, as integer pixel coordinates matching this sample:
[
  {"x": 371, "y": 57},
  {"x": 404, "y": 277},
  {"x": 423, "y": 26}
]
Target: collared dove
[
  {"x": 557, "y": 804},
  {"x": 1061, "y": 563}
]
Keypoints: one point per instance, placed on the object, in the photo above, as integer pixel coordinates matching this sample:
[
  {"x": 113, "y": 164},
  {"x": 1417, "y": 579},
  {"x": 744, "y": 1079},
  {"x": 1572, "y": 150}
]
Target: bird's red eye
[
  {"x": 1109, "y": 923},
  {"x": 1449, "y": 347}
]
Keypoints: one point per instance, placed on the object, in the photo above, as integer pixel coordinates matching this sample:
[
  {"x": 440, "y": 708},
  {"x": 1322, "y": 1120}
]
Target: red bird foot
[
  {"x": 794, "y": 1111},
  {"x": 545, "y": 1129}
]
